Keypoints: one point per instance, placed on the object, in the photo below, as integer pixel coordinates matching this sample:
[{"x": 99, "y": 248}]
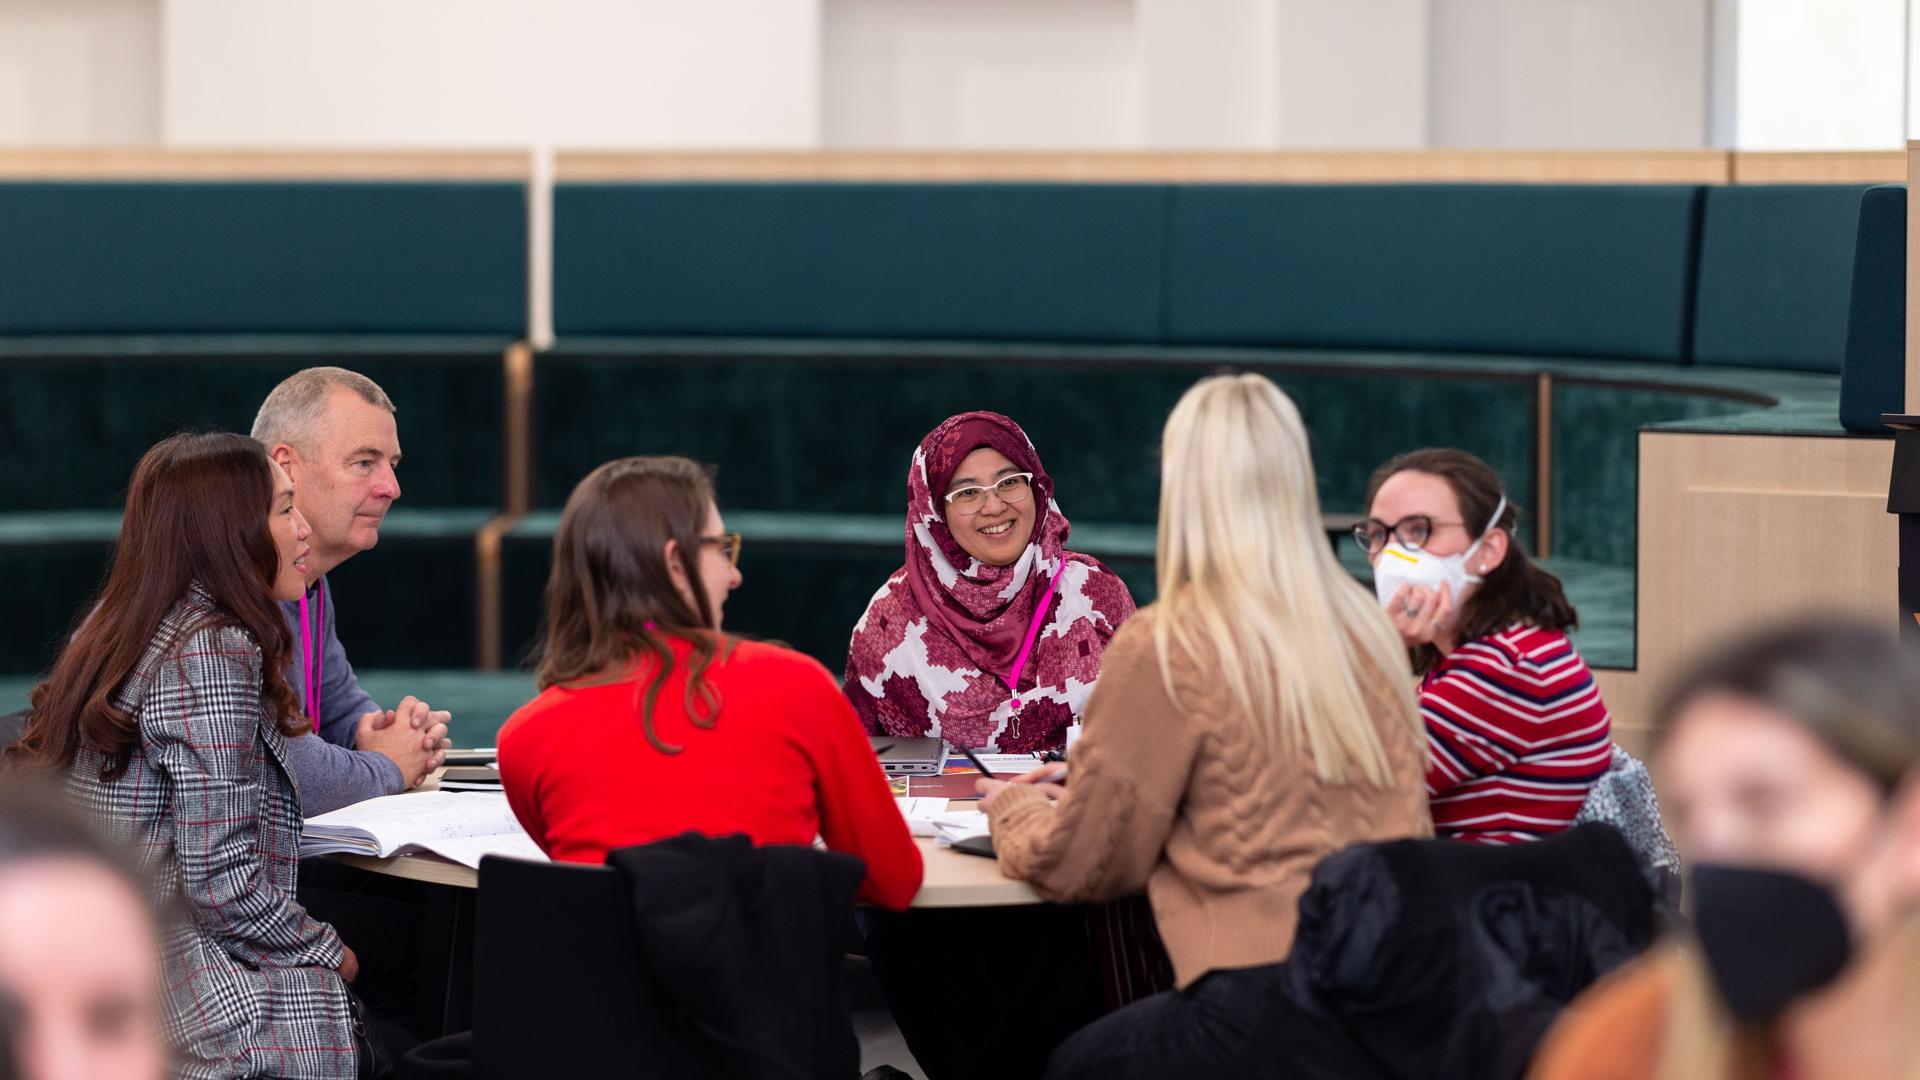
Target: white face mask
[{"x": 1397, "y": 565}]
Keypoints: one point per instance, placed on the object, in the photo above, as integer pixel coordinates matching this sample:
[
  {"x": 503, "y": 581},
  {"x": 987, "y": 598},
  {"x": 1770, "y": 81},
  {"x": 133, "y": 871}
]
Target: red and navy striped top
[{"x": 1516, "y": 735}]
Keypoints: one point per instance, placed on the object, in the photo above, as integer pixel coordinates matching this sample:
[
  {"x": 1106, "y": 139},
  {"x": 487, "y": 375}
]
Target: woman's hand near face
[{"x": 1421, "y": 614}]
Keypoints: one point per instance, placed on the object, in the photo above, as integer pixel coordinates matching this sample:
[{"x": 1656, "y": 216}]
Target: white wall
[
  {"x": 1352, "y": 74},
  {"x": 1552, "y": 74},
  {"x": 1820, "y": 74},
  {"x": 963, "y": 74},
  {"x": 79, "y": 72},
  {"x": 583, "y": 73},
  {"x": 979, "y": 74},
  {"x": 1207, "y": 75}
]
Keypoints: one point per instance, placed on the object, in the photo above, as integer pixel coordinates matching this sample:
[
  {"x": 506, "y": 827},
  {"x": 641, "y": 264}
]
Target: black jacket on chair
[
  {"x": 1436, "y": 958},
  {"x": 750, "y": 944}
]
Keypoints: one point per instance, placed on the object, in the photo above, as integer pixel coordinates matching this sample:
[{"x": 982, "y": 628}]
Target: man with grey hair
[{"x": 333, "y": 432}]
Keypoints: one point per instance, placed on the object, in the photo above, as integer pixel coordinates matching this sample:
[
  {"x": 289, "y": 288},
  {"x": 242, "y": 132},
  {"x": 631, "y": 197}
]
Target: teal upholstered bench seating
[
  {"x": 803, "y": 337},
  {"x": 480, "y": 700},
  {"x": 827, "y": 566},
  {"x": 131, "y": 310}
]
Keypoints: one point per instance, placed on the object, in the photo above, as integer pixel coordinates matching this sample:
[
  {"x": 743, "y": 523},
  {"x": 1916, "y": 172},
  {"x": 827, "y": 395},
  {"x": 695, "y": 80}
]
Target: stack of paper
[
  {"x": 920, "y": 813},
  {"x": 956, "y": 825},
  {"x": 462, "y": 826},
  {"x": 470, "y": 778}
]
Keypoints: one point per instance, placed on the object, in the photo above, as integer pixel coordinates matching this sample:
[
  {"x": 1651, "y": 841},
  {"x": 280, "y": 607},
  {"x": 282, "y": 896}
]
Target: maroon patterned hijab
[{"x": 937, "y": 645}]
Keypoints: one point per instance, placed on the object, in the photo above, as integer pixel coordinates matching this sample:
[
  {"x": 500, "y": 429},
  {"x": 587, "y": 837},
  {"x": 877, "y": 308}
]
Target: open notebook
[{"x": 458, "y": 825}]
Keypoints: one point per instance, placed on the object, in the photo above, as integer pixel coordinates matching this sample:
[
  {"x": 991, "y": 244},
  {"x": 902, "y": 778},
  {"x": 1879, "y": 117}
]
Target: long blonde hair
[{"x": 1245, "y": 570}]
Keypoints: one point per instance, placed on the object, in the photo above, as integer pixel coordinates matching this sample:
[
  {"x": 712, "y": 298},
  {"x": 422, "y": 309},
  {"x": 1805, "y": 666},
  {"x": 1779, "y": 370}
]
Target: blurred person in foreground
[
  {"x": 80, "y": 989},
  {"x": 1790, "y": 764}
]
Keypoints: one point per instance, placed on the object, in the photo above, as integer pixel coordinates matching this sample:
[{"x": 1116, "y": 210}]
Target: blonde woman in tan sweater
[{"x": 1256, "y": 718}]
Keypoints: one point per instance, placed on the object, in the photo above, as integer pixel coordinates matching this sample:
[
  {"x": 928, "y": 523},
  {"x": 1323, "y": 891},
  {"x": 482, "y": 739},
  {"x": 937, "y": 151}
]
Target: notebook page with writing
[{"x": 457, "y": 825}]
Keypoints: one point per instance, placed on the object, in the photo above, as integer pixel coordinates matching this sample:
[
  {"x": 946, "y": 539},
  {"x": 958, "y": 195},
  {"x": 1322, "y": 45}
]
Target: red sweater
[
  {"x": 785, "y": 761},
  {"x": 1516, "y": 735}
]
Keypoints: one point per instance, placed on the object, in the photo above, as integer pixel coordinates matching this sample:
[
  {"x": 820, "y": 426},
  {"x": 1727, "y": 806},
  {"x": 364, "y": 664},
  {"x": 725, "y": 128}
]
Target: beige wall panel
[
  {"x": 1737, "y": 530},
  {"x": 1630, "y": 701}
]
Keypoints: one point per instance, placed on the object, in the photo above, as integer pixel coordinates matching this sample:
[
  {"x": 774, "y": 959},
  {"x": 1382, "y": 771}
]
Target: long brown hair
[
  {"x": 196, "y": 514},
  {"x": 611, "y": 601},
  {"x": 1516, "y": 591}
]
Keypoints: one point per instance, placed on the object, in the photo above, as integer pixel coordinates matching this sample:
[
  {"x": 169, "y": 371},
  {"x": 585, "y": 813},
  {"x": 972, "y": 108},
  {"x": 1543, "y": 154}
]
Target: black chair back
[{"x": 560, "y": 986}]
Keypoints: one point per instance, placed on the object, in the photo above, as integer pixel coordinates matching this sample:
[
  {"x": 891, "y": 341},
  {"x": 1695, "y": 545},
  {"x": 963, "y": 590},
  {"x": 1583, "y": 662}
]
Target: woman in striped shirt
[{"x": 1516, "y": 731}]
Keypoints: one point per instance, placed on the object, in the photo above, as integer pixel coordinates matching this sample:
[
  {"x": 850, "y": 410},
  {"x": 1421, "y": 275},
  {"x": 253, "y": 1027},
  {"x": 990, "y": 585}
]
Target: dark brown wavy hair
[
  {"x": 1516, "y": 591},
  {"x": 197, "y": 511},
  {"x": 611, "y": 601}
]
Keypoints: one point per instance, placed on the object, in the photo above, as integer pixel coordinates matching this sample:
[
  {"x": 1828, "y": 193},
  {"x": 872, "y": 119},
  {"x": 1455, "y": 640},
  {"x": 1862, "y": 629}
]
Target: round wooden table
[{"x": 952, "y": 880}]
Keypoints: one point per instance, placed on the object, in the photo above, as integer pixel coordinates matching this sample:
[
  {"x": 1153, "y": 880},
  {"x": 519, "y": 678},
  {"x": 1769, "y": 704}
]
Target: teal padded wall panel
[
  {"x": 1776, "y": 264},
  {"x": 262, "y": 257},
  {"x": 422, "y": 567},
  {"x": 72, "y": 427},
  {"x": 1874, "y": 379},
  {"x": 1596, "y": 455},
  {"x": 778, "y": 427},
  {"x": 1057, "y": 262},
  {"x": 1567, "y": 270}
]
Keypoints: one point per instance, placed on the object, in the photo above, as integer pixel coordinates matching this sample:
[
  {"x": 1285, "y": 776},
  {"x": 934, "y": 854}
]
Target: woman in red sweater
[
  {"x": 1516, "y": 731},
  {"x": 652, "y": 722}
]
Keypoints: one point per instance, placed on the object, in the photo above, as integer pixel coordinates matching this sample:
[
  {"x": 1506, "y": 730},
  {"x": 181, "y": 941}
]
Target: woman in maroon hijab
[{"x": 990, "y": 636}]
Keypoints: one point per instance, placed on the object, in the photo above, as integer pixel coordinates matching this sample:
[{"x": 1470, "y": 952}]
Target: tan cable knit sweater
[{"x": 1185, "y": 802}]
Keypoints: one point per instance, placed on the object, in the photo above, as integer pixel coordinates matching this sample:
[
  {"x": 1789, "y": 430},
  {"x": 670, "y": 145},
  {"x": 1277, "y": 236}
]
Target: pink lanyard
[
  {"x": 1026, "y": 647},
  {"x": 313, "y": 661}
]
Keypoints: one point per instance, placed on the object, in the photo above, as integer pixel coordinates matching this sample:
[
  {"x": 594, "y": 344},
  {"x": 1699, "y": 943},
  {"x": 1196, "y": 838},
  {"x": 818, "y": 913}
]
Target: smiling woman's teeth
[{"x": 996, "y": 530}]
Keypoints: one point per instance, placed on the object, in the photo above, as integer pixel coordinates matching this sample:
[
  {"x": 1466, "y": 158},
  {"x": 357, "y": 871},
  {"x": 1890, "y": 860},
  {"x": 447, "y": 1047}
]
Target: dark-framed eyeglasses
[
  {"x": 729, "y": 544},
  {"x": 1413, "y": 532},
  {"x": 1012, "y": 488}
]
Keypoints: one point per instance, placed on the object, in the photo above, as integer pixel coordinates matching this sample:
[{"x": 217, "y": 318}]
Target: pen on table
[{"x": 984, "y": 771}]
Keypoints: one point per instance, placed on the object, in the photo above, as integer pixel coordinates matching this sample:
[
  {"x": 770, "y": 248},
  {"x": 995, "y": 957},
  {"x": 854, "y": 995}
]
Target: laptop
[{"x": 909, "y": 757}]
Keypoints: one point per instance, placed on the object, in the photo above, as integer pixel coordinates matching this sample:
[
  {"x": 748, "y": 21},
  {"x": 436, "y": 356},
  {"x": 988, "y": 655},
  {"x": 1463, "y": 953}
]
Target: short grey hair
[{"x": 294, "y": 407}]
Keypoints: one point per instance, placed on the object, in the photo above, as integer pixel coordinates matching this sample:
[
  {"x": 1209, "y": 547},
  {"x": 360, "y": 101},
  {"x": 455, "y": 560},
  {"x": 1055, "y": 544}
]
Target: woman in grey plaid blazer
[{"x": 169, "y": 712}]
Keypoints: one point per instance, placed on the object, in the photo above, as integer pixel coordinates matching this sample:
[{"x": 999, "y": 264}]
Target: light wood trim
[
  {"x": 1913, "y": 284},
  {"x": 517, "y": 443},
  {"x": 1737, "y": 530},
  {"x": 1820, "y": 167},
  {"x": 488, "y": 598},
  {"x": 1386, "y": 166},
  {"x": 428, "y": 868},
  {"x": 1543, "y": 465},
  {"x": 165, "y": 164},
  {"x": 952, "y": 880},
  {"x": 516, "y": 447}
]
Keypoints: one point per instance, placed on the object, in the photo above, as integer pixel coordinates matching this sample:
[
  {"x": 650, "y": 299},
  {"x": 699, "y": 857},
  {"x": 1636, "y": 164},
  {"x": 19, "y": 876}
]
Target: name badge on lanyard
[{"x": 1033, "y": 634}]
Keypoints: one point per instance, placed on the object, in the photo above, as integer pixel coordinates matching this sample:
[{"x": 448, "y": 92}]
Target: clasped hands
[{"x": 412, "y": 735}]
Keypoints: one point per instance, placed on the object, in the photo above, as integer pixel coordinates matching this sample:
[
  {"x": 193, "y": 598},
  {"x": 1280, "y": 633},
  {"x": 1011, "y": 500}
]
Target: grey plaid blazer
[{"x": 210, "y": 806}]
